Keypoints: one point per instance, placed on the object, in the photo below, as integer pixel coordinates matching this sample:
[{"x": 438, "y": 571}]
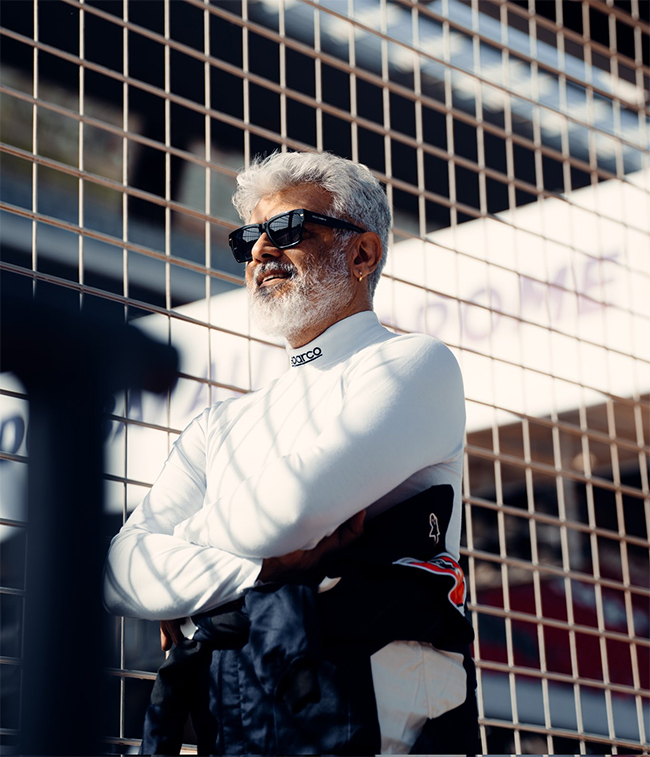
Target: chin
[
  {"x": 277, "y": 318},
  {"x": 302, "y": 303}
]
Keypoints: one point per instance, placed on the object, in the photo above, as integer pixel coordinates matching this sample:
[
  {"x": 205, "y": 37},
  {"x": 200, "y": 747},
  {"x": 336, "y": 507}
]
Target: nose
[{"x": 264, "y": 249}]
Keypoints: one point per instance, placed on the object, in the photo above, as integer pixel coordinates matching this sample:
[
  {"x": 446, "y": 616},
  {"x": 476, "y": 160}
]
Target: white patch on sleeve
[{"x": 414, "y": 681}]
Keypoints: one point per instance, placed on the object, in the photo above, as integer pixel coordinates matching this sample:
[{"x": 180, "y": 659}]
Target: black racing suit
[{"x": 286, "y": 670}]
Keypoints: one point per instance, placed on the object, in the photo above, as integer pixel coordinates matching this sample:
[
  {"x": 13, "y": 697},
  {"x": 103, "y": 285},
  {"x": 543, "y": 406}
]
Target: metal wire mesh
[{"x": 513, "y": 143}]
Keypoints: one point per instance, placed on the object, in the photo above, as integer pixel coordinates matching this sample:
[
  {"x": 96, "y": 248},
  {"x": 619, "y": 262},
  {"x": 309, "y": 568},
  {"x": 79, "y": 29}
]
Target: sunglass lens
[
  {"x": 242, "y": 242},
  {"x": 286, "y": 230},
  {"x": 249, "y": 235}
]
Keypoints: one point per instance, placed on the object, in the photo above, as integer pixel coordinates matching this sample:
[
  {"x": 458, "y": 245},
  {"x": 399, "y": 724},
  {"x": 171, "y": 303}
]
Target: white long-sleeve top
[{"x": 363, "y": 418}]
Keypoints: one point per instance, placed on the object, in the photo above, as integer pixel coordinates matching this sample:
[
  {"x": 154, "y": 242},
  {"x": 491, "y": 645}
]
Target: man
[{"x": 263, "y": 487}]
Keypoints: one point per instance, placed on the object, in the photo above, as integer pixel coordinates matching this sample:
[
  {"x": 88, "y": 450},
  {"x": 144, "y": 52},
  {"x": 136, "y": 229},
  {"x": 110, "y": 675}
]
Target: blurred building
[{"x": 512, "y": 138}]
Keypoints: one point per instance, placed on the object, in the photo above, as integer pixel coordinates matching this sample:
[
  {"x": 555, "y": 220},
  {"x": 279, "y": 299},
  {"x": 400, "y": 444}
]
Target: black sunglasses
[{"x": 284, "y": 230}]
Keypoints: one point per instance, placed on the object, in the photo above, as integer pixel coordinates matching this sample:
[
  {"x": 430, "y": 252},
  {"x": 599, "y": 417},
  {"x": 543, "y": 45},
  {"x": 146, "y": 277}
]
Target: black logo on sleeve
[{"x": 306, "y": 357}]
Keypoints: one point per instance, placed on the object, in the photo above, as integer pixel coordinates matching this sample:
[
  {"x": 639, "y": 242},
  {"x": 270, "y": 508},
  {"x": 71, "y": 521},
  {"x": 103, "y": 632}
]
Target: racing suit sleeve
[
  {"x": 152, "y": 574},
  {"x": 403, "y": 410}
]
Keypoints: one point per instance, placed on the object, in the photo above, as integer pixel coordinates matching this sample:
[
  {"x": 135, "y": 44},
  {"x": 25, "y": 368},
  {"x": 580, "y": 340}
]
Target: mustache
[{"x": 279, "y": 266}]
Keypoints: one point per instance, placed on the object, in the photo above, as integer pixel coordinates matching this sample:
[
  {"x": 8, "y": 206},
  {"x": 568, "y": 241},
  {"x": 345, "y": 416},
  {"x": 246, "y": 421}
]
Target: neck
[{"x": 309, "y": 334}]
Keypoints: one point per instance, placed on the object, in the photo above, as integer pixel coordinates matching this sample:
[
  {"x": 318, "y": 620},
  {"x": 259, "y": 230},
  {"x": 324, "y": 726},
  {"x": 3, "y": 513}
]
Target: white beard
[{"x": 310, "y": 298}]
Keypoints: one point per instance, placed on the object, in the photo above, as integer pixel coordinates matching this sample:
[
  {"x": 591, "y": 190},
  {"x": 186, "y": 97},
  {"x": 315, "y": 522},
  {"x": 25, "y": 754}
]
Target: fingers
[
  {"x": 170, "y": 632},
  {"x": 351, "y": 529},
  {"x": 165, "y": 640},
  {"x": 271, "y": 567},
  {"x": 175, "y": 628},
  {"x": 275, "y": 568}
]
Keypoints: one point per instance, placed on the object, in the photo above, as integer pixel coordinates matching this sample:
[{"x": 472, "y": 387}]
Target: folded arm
[
  {"x": 403, "y": 411},
  {"x": 152, "y": 574}
]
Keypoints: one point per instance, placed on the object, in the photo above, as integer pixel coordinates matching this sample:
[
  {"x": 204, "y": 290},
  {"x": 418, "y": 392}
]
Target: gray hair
[{"x": 356, "y": 195}]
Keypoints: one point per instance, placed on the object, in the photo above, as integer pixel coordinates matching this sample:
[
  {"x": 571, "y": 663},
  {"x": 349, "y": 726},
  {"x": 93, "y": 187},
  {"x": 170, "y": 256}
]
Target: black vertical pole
[
  {"x": 63, "y": 692},
  {"x": 70, "y": 366}
]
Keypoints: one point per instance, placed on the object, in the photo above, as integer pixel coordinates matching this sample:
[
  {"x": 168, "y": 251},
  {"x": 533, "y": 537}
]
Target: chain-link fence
[{"x": 512, "y": 139}]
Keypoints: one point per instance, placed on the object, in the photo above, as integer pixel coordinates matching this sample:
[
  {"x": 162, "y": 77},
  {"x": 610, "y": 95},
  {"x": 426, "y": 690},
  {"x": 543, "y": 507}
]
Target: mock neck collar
[{"x": 338, "y": 341}]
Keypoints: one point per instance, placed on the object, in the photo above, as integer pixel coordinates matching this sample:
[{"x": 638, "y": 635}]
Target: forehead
[{"x": 309, "y": 196}]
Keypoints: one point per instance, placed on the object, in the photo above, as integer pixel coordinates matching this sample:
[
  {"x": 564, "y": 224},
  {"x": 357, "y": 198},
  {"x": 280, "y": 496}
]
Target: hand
[
  {"x": 275, "y": 568},
  {"x": 170, "y": 633}
]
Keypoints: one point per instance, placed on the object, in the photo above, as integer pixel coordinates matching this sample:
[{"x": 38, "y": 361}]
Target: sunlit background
[{"x": 512, "y": 138}]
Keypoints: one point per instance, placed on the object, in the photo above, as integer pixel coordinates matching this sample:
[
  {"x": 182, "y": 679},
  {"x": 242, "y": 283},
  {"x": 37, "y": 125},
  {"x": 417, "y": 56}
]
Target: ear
[{"x": 366, "y": 252}]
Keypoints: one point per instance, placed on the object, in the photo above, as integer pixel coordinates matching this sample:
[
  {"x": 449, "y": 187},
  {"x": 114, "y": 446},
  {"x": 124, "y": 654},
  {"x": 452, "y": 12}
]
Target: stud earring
[{"x": 360, "y": 276}]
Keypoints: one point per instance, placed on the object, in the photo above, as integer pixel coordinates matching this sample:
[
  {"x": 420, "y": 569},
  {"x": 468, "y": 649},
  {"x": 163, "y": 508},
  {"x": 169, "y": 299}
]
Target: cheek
[
  {"x": 330, "y": 260},
  {"x": 318, "y": 255}
]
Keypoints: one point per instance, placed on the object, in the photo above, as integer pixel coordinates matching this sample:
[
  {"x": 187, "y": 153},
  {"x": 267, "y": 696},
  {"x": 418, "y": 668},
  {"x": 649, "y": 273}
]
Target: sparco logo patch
[{"x": 306, "y": 357}]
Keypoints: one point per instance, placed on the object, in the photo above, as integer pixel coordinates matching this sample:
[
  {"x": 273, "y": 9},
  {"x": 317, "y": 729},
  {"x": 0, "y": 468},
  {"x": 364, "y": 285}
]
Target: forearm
[
  {"x": 152, "y": 574},
  {"x": 158, "y": 576}
]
